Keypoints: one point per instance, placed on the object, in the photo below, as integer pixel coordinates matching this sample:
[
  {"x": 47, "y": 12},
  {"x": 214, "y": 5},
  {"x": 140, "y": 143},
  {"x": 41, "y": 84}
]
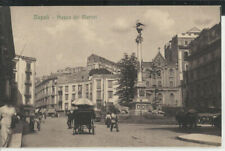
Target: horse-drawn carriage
[{"x": 83, "y": 116}]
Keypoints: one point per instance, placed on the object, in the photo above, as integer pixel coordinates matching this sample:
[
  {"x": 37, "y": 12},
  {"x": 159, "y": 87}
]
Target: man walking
[{"x": 114, "y": 122}]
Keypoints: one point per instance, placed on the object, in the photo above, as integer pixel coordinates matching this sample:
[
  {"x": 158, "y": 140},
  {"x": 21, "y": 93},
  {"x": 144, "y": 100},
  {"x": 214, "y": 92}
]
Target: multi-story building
[
  {"x": 46, "y": 93},
  {"x": 162, "y": 82},
  {"x": 25, "y": 79},
  {"x": 202, "y": 84},
  {"x": 97, "y": 62},
  {"x": 100, "y": 89},
  {"x": 178, "y": 48},
  {"x": 7, "y": 53}
]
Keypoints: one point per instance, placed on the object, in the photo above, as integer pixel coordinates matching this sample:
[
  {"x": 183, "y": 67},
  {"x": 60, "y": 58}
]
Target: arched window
[
  {"x": 185, "y": 55},
  {"x": 172, "y": 98},
  {"x": 160, "y": 98},
  {"x": 171, "y": 72}
]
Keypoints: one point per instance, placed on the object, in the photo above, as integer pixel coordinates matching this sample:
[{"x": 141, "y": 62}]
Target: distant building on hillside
[
  {"x": 97, "y": 62},
  {"x": 71, "y": 70}
]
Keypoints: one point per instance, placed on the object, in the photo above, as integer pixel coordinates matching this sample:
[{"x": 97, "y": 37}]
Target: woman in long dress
[{"x": 6, "y": 112}]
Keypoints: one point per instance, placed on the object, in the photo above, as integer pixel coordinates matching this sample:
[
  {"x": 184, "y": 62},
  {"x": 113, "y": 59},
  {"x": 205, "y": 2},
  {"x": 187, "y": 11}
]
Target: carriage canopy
[{"x": 82, "y": 101}]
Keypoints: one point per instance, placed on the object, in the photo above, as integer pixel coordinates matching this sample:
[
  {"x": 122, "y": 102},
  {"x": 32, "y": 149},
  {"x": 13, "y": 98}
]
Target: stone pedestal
[{"x": 140, "y": 104}]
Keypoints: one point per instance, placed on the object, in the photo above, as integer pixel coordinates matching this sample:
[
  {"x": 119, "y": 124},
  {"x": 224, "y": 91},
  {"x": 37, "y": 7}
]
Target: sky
[{"x": 67, "y": 35}]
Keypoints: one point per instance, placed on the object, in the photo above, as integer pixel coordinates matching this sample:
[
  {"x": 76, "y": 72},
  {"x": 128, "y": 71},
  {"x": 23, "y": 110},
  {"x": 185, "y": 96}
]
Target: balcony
[
  {"x": 28, "y": 82},
  {"x": 28, "y": 70},
  {"x": 27, "y": 95}
]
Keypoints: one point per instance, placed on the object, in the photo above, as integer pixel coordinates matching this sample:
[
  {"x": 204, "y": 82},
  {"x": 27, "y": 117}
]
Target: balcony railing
[{"x": 28, "y": 82}]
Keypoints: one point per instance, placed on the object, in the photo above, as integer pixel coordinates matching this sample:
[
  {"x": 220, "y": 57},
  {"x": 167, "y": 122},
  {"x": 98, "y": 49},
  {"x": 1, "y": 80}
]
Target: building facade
[
  {"x": 162, "y": 82},
  {"x": 25, "y": 79},
  {"x": 100, "y": 89},
  {"x": 202, "y": 85},
  {"x": 7, "y": 53},
  {"x": 46, "y": 93},
  {"x": 178, "y": 49}
]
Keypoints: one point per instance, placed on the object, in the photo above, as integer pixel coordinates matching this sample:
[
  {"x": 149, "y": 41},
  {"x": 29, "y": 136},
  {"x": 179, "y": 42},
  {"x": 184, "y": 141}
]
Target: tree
[{"x": 128, "y": 76}]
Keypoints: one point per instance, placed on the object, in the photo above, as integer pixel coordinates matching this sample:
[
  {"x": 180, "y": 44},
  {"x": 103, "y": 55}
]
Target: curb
[{"x": 198, "y": 141}]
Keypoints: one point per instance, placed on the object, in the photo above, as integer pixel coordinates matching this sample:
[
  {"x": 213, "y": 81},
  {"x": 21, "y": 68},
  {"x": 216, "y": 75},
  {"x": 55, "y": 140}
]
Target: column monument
[{"x": 140, "y": 103}]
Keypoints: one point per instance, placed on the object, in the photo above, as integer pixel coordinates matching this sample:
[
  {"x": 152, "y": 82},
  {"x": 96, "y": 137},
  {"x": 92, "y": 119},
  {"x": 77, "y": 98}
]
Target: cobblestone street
[{"x": 54, "y": 133}]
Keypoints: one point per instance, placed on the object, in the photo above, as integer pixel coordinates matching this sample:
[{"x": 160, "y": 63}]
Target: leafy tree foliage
[{"x": 128, "y": 77}]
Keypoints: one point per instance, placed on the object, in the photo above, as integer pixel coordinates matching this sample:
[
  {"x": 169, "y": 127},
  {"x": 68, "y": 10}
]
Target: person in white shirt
[
  {"x": 6, "y": 112},
  {"x": 114, "y": 122},
  {"x": 108, "y": 119}
]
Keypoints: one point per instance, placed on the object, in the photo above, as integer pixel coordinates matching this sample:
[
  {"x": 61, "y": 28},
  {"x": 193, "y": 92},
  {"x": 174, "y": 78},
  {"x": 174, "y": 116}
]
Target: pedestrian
[
  {"x": 108, "y": 119},
  {"x": 70, "y": 119},
  {"x": 7, "y": 112},
  {"x": 32, "y": 122},
  {"x": 38, "y": 121},
  {"x": 114, "y": 122}
]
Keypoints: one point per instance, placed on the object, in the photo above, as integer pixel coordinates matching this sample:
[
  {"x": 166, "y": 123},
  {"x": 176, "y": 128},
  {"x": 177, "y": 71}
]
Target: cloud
[
  {"x": 160, "y": 19},
  {"x": 82, "y": 29},
  {"x": 121, "y": 25}
]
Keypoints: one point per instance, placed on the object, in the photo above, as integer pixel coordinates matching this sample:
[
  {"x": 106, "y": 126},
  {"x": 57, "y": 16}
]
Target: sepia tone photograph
[{"x": 110, "y": 76}]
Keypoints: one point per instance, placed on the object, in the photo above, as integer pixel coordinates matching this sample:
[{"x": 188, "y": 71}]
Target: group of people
[
  {"x": 111, "y": 120},
  {"x": 35, "y": 120}
]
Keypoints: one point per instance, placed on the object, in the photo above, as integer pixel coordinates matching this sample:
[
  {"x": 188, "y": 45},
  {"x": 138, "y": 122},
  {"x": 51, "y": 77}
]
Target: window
[
  {"x": 60, "y": 98},
  {"x": 73, "y": 96},
  {"x": 90, "y": 86},
  {"x": 28, "y": 66},
  {"x": 171, "y": 72},
  {"x": 66, "y": 97},
  {"x": 98, "y": 94},
  {"x": 110, "y": 83},
  {"x": 171, "y": 83},
  {"x": 159, "y": 84},
  {"x": 53, "y": 89},
  {"x": 87, "y": 88},
  {"x": 185, "y": 55},
  {"x": 73, "y": 87},
  {"x": 60, "y": 88},
  {"x": 110, "y": 94},
  {"x": 186, "y": 42},
  {"x": 98, "y": 84},
  {"x": 87, "y": 95},
  {"x": 147, "y": 83},
  {"x": 171, "y": 98},
  {"x": 66, "y": 106},
  {"x": 90, "y": 96},
  {"x": 66, "y": 88}
]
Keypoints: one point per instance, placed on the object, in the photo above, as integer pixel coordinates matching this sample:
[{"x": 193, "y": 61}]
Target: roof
[
  {"x": 194, "y": 30},
  {"x": 101, "y": 59},
  {"x": 105, "y": 76},
  {"x": 26, "y": 58}
]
